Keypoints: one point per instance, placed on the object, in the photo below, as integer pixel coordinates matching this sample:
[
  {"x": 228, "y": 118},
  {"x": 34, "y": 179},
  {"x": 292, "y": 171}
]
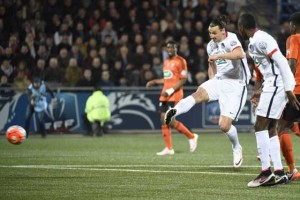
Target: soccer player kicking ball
[
  {"x": 175, "y": 75},
  {"x": 277, "y": 88},
  {"x": 229, "y": 75}
]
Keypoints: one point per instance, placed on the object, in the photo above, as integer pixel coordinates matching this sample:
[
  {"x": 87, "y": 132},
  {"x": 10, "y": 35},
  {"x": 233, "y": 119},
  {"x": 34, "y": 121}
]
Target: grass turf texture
[{"x": 126, "y": 167}]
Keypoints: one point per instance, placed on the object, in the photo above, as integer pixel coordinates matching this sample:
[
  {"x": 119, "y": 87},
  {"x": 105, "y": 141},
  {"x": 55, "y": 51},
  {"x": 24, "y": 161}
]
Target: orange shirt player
[
  {"x": 175, "y": 75},
  {"x": 291, "y": 115}
]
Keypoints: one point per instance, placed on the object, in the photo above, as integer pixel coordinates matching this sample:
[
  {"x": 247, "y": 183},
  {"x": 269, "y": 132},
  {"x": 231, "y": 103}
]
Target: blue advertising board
[{"x": 130, "y": 110}]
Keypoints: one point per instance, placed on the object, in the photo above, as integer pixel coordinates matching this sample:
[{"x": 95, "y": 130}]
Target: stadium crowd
[{"x": 103, "y": 42}]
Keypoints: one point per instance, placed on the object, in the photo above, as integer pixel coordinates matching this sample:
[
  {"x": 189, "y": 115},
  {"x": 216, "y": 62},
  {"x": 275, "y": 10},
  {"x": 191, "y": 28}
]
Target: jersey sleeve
[
  {"x": 234, "y": 43},
  {"x": 209, "y": 48},
  {"x": 267, "y": 45},
  {"x": 183, "y": 70},
  {"x": 294, "y": 48}
]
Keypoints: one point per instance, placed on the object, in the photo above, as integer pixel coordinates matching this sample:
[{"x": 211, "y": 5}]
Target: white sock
[
  {"x": 184, "y": 105},
  {"x": 263, "y": 148},
  {"x": 233, "y": 137},
  {"x": 275, "y": 153}
]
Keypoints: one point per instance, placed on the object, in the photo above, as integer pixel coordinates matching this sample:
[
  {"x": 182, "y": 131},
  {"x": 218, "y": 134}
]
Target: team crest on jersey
[
  {"x": 262, "y": 45},
  {"x": 233, "y": 43},
  {"x": 251, "y": 48}
]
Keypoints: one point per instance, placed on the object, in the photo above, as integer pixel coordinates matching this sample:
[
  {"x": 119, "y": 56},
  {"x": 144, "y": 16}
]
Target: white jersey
[
  {"x": 229, "y": 69},
  {"x": 261, "y": 48}
]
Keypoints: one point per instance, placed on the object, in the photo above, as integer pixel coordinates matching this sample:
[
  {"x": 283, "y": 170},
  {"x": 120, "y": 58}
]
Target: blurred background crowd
[{"x": 106, "y": 42}]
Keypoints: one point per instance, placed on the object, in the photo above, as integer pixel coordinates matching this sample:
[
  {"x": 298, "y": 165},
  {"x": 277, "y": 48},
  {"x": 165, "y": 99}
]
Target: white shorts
[
  {"x": 232, "y": 95},
  {"x": 272, "y": 102}
]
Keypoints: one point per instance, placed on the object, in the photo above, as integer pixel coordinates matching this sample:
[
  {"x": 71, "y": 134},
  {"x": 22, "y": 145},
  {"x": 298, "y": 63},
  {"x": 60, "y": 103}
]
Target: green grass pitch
[{"x": 124, "y": 166}]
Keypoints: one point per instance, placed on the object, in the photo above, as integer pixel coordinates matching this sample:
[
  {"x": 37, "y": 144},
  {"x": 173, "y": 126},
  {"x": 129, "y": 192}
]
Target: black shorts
[
  {"x": 165, "y": 105},
  {"x": 290, "y": 113}
]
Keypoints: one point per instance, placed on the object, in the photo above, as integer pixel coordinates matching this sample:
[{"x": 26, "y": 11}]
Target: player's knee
[
  {"x": 224, "y": 127},
  {"x": 200, "y": 95}
]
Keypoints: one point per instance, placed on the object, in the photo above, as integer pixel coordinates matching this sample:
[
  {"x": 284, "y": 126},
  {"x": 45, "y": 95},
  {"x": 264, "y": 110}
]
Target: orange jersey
[
  {"x": 258, "y": 75},
  {"x": 293, "y": 51},
  {"x": 174, "y": 70}
]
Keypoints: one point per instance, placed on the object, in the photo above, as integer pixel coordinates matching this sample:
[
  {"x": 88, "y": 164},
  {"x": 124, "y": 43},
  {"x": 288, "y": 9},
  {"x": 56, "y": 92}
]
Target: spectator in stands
[
  {"x": 63, "y": 58},
  {"x": 97, "y": 113},
  {"x": 157, "y": 67},
  {"x": 105, "y": 81},
  {"x": 21, "y": 81},
  {"x": 6, "y": 92},
  {"x": 117, "y": 72},
  {"x": 54, "y": 73},
  {"x": 282, "y": 36},
  {"x": 95, "y": 33},
  {"x": 80, "y": 31},
  {"x": 7, "y": 69},
  {"x": 110, "y": 47},
  {"x": 75, "y": 53},
  {"x": 124, "y": 56},
  {"x": 40, "y": 69},
  {"x": 25, "y": 56},
  {"x": 87, "y": 79},
  {"x": 62, "y": 33},
  {"x": 42, "y": 52},
  {"x": 201, "y": 62},
  {"x": 96, "y": 68},
  {"x": 73, "y": 73}
]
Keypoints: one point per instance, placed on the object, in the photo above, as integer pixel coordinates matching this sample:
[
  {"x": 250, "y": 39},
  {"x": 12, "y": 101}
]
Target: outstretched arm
[{"x": 155, "y": 82}]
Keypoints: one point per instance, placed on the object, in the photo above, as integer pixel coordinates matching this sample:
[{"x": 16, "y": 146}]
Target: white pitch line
[
  {"x": 126, "y": 166},
  {"x": 120, "y": 170}
]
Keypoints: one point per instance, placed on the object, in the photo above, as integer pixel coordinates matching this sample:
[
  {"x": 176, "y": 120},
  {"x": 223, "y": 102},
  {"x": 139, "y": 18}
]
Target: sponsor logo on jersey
[{"x": 168, "y": 74}]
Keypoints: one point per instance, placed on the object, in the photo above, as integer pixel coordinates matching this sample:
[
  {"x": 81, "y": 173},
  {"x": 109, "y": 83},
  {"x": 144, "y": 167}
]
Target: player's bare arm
[
  {"x": 236, "y": 54},
  {"x": 293, "y": 100},
  {"x": 292, "y": 63},
  {"x": 256, "y": 94},
  {"x": 155, "y": 82}
]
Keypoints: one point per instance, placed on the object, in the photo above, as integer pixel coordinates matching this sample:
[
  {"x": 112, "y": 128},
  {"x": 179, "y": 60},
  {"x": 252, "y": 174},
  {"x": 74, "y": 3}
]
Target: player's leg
[
  {"x": 207, "y": 91},
  {"x": 193, "y": 138},
  {"x": 232, "y": 99},
  {"x": 268, "y": 111},
  {"x": 41, "y": 123},
  {"x": 289, "y": 116},
  {"x": 275, "y": 155},
  {"x": 226, "y": 126},
  {"x": 29, "y": 113},
  {"x": 263, "y": 147},
  {"x": 166, "y": 130},
  {"x": 295, "y": 129}
]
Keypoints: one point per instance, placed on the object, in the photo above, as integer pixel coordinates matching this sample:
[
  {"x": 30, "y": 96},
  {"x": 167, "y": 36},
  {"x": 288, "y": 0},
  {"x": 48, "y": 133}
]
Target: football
[{"x": 16, "y": 134}]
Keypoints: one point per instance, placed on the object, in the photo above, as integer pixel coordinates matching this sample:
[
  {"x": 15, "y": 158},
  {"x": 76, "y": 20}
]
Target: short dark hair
[
  {"x": 172, "y": 42},
  {"x": 36, "y": 80},
  {"x": 247, "y": 21},
  {"x": 295, "y": 18},
  {"x": 220, "y": 21}
]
